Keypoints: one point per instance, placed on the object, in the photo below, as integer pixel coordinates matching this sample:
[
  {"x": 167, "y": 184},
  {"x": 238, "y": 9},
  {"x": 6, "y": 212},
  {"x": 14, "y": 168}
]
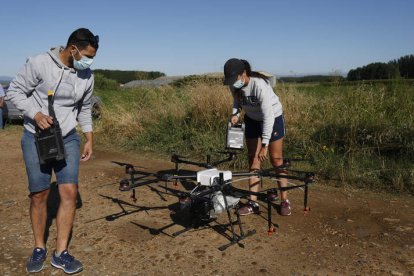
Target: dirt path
[{"x": 346, "y": 233}]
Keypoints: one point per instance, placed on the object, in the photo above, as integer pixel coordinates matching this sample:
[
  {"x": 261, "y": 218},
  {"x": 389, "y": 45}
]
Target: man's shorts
[
  {"x": 66, "y": 171},
  {"x": 254, "y": 129}
]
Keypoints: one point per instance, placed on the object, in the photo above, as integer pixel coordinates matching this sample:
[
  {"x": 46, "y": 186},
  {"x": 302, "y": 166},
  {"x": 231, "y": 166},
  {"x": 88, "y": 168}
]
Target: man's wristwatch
[{"x": 264, "y": 145}]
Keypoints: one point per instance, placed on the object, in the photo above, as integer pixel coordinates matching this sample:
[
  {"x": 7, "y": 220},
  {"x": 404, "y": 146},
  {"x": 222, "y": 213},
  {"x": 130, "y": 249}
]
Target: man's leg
[
  {"x": 38, "y": 216},
  {"x": 39, "y": 187},
  {"x": 64, "y": 220},
  {"x": 65, "y": 215},
  {"x": 67, "y": 179}
]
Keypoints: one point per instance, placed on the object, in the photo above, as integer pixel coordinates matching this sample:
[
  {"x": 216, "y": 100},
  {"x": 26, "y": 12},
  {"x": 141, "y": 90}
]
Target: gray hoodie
[
  {"x": 260, "y": 103},
  {"x": 73, "y": 90}
]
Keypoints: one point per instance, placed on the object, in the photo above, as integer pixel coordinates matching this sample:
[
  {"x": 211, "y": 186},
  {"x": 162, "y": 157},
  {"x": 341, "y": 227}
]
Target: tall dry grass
[{"x": 358, "y": 134}]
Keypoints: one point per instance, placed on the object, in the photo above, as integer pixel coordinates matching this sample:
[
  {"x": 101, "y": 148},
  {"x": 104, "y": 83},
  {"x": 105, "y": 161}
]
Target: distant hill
[{"x": 5, "y": 79}]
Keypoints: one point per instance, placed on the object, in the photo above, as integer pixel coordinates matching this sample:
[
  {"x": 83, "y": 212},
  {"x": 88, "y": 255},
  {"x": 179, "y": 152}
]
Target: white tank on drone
[{"x": 209, "y": 176}]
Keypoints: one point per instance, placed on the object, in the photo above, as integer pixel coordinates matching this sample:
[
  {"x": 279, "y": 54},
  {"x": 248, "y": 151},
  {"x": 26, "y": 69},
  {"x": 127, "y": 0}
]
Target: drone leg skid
[{"x": 235, "y": 238}]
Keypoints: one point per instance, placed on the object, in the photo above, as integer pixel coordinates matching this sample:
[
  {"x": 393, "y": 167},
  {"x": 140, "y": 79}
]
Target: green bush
[{"x": 102, "y": 83}]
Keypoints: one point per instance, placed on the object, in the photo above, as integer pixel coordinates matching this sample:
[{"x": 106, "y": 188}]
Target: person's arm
[
  {"x": 85, "y": 109},
  {"x": 235, "y": 115},
  {"x": 88, "y": 147},
  {"x": 22, "y": 86},
  {"x": 265, "y": 99},
  {"x": 85, "y": 122}
]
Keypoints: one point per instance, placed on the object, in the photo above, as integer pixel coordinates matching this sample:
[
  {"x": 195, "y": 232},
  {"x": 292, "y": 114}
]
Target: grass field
[{"x": 359, "y": 134}]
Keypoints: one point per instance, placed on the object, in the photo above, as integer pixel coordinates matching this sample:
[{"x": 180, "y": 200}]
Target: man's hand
[
  {"x": 1, "y": 102},
  {"x": 87, "y": 148},
  {"x": 87, "y": 151},
  {"x": 43, "y": 121},
  {"x": 263, "y": 153}
]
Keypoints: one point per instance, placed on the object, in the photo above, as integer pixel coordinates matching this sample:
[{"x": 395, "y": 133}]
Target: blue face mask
[
  {"x": 83, "y": 63},
  {"x": 238, "y": 84}
]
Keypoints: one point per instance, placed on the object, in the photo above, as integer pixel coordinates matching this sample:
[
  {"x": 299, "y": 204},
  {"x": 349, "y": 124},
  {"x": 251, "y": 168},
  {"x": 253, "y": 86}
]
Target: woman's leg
[
  {"x": 276, "y": 158},
  {"x": 253, "y": 149}
]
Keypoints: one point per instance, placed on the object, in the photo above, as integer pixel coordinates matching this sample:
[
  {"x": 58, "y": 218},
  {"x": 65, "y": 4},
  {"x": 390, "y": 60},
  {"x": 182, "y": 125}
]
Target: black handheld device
[{"x": 49, "y": 142}]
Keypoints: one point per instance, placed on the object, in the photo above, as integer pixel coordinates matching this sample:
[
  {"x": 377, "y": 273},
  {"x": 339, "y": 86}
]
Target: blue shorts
[
  {"x": 254, "y": 129},
  {"x": 66, "y": 171}
]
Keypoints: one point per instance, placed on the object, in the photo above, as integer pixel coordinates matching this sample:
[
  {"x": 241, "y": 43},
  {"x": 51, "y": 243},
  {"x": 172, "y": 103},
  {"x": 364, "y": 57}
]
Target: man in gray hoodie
[{"x": 64, "y": 73}]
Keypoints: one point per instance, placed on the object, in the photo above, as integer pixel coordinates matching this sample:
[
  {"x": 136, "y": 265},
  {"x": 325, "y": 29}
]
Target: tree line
[
  {"x": 126, "y": 76},
  {"x": 312, "y": 78},
  {"x": 402, "y": 67}
]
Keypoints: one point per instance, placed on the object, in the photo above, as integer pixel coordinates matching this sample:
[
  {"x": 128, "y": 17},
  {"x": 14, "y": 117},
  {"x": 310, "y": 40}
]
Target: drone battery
[
  {"x": 235, "y": 136},
  {"x": 49, "y": 144}
]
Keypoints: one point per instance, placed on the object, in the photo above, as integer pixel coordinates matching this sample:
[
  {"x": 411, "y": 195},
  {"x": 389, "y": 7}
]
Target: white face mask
[
  {"x": 83, "y": 63},
  {"x": 238, "y": 84}
]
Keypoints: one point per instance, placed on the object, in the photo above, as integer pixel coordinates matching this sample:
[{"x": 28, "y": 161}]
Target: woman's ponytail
[{"x": 251, "y": 73}]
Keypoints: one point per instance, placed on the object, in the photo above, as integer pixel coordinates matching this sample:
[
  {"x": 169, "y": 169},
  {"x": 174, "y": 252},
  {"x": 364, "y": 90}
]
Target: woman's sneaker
[
  {"x": 37, "y": 261},
  {"x": 249, "y": 208},
  {"x": 66, "y": 262},
  {"x": 285, "y": 209}
]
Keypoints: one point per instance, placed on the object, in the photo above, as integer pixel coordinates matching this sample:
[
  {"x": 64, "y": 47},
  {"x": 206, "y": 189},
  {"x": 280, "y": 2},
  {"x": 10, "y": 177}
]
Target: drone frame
[{"x": 223, "y": 186}]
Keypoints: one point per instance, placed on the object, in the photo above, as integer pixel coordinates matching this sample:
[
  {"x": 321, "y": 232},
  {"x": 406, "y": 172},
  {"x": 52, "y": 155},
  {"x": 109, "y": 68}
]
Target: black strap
[{"x": 50, "y": 100}]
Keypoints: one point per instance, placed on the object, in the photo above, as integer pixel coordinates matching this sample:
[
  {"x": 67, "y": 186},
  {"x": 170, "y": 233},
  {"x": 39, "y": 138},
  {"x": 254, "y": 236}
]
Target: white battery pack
[{"x": 235, "y": 136}]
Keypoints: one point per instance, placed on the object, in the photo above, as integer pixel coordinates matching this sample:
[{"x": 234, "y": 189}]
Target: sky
[{"x": 183, "y": 37}]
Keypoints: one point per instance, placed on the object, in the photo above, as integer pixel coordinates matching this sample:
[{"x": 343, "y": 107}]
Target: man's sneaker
[
  {"x": 249, "y": 208},
  {"x": 66, "y": 262},
  {"x": 37, "y": 261},
  {"x": 285, "y": 209}
]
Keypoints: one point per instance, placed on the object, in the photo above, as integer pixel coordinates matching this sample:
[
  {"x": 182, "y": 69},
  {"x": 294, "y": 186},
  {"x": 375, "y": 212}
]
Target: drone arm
[
  {"x": 177, "y": 160},
  {"x": 308, "y": 178},
  {"x": 170, "y": 177},
  {"x": 230, "y": 157}
]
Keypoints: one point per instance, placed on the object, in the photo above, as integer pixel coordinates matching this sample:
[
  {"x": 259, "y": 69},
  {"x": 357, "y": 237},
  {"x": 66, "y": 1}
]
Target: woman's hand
[
  {"x": 43, "y": 121},
  {"x": 234, "y": 119},
  {"x": 263, "y": 153}
]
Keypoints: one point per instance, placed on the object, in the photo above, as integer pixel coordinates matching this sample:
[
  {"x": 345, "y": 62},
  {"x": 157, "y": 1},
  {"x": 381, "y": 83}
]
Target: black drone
[{"x": 214, "y": 192}]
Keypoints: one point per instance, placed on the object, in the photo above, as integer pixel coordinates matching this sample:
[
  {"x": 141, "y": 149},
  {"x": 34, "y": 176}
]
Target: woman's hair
[
  {"x": 251, "y": 73},
  {"x": 82, "y": 37}
]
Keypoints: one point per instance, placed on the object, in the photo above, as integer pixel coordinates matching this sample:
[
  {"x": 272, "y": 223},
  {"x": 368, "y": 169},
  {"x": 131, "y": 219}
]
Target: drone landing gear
[
  {"x": 306, "y": 208},
  {"x": 271, "y": 226},
  {"x": 236, "y": 238}
]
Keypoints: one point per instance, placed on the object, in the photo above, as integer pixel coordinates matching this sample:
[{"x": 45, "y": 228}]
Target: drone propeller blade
[{"x": 127, "y": 164}]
